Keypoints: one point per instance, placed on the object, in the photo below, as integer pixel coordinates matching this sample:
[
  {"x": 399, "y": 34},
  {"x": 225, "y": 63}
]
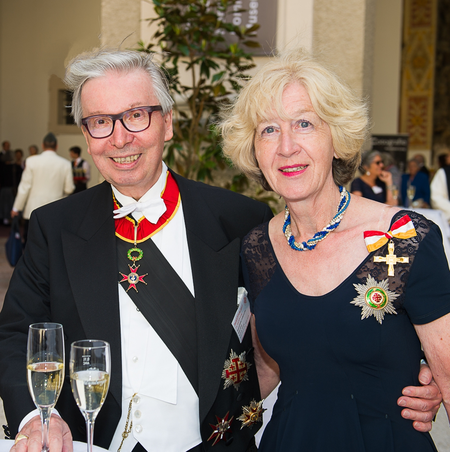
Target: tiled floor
[{"x": 440, "y": 433}]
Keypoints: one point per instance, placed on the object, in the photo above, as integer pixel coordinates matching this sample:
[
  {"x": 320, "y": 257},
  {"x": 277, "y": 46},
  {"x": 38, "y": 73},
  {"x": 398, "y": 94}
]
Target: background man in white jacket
[{"x": 47, "y": 177}]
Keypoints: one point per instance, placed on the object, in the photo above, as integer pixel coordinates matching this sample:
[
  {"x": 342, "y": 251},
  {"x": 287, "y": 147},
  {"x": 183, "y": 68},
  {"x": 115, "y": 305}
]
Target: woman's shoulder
[
  {"x": 256, "y": 237},
  {"x": 371, "y": 215}
]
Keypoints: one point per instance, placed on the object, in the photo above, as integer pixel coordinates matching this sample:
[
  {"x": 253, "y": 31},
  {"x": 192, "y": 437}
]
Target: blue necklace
[{"x": 318, "y": 236}]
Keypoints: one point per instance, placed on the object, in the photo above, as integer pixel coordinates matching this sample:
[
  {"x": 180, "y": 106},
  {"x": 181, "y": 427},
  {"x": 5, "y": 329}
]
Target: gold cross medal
[
  {"x": 374, "y": 298},
  {"x": 391, "y": 259}
]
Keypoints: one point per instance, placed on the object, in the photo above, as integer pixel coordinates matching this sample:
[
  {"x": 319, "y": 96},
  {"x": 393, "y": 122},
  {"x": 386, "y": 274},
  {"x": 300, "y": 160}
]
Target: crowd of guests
[
  {"x": 381, "y": 180},
  {"x": 25, "y": 187}
]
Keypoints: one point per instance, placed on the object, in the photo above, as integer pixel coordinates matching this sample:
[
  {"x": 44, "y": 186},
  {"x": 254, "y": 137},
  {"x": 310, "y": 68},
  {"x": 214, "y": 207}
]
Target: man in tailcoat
[
  {"x": 181, "y": 373},
  {"x": 149, "y": 262}
]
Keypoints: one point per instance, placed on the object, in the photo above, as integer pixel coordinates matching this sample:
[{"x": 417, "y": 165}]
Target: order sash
[{"x": 166, "y": 303}]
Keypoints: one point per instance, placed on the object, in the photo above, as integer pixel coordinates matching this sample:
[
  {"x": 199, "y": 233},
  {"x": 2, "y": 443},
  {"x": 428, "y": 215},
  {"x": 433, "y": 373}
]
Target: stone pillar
[
  {"x": 343, "y": 36},
  {"x": 120, "y": 23}
]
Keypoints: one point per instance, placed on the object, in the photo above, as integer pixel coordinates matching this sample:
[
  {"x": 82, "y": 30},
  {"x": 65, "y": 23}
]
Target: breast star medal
[
  {"x": 251, "y": 414},
  {"x": 374, "y": 298},
  {"x": 133, "y": 277},
  {"x": 235, "y": 370},
  {"x": 221, "y": 428}
]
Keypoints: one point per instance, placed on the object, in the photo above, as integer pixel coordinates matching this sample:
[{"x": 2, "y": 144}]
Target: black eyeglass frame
[{"x": 119, "y": 117}]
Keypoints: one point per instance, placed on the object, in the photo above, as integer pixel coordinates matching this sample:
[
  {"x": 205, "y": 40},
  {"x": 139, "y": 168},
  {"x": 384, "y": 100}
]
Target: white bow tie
[{"x": 152, "y": 210}]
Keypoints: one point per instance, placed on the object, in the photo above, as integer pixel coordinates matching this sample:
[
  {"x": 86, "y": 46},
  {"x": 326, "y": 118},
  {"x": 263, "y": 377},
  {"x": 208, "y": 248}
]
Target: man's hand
[
  {"x": 421, "y": 402},
  {"x": 59, "y": 438}
]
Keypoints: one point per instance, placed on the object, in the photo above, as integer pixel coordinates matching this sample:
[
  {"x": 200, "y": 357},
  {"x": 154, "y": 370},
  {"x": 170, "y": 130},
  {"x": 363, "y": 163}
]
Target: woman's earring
[{"x": 367, "y": 173}]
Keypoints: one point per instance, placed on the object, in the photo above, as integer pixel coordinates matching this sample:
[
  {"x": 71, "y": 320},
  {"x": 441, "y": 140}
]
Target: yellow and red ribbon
[{"x": 401, "y": 229}]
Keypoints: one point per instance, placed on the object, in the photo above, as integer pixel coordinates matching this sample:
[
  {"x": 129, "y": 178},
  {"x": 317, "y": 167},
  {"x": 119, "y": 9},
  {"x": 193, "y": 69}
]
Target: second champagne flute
[{"x": 90, "y": 367}]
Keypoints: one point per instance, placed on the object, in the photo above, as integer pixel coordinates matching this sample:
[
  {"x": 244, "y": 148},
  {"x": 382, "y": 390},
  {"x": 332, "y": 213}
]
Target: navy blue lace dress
[{"x": 341, "y": 375}]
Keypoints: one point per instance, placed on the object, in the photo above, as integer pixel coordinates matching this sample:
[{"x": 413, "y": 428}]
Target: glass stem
[
  {"x": 45, "y": 413},
  {"x": 89, "y": 432}
]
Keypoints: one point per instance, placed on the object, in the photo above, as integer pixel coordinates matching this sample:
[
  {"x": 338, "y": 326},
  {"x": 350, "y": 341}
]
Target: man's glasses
[{"x": 134, "y": 120}]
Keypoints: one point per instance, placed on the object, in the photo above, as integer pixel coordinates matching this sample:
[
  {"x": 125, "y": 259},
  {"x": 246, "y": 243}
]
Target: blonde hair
[{"x": 333, "y": 102}]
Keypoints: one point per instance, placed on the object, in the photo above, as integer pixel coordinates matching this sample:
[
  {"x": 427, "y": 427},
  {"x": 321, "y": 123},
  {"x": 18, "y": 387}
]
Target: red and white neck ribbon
[{"x": 401, "y": 229}]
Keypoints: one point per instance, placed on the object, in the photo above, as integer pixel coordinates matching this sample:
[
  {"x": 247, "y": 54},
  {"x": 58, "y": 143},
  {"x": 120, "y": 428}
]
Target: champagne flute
[
  {"x": 394, "y": 190},
  {"x": 45, "y": 370},
  {"x": 411, "y": 192},
  {"x": 90, "y": 366}
]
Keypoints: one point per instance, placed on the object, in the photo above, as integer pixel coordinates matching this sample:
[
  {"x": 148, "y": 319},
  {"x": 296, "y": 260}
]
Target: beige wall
[
  {"x": 361, "y": 38},
  {"x": 36, "y": 39}
]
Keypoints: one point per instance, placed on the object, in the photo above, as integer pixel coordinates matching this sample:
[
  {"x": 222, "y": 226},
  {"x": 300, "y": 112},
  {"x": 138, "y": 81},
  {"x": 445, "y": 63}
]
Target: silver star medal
[{"x": 375, "y": 299}]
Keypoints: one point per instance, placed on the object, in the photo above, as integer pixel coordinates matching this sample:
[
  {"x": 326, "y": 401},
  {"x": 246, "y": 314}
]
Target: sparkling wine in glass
[
  {"x": 45, "y": 370},
  {"x": 90, "y": 367},
  {"x": 411, "y": 192},
  {"x": 395, "y": 191}
]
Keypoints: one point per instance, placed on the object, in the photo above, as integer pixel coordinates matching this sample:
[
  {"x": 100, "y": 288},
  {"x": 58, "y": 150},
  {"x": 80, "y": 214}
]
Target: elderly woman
[
  {"x": 375, "y": 183},
  {"x": 338, "y": 322}
]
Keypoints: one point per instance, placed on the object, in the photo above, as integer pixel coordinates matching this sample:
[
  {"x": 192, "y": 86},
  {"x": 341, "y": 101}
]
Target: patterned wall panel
[{"x": 418, "y": 66}]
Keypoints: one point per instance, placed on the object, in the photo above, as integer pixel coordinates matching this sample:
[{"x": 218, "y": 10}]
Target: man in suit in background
[
  {"x": 80, "y": 168},
  {"x": 148, "y": 261},
  {"x": 46, "y": 178}
]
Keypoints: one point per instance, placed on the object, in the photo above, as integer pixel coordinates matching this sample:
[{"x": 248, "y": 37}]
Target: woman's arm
[
  {"x": 266, "y": 368},
  {"x": 386, "y": 177},
  {"x": 435, "y": 339}
]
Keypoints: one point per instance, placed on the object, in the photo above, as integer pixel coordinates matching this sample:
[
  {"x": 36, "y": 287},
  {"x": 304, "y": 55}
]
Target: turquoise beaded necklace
[{"x": 321, "y": 235}]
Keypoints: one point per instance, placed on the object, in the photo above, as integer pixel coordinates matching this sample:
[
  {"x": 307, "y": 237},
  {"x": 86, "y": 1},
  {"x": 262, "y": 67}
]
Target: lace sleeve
[{"x": 258, "y": 261}]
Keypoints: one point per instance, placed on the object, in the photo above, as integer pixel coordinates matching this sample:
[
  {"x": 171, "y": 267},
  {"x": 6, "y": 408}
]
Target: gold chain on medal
[{"x": 127, "y": 429}]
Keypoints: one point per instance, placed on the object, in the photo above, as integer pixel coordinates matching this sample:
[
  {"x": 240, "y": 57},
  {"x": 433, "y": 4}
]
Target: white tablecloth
[
  {"x": 6, "y": 444},
  {"x": 438, "y": 217}
]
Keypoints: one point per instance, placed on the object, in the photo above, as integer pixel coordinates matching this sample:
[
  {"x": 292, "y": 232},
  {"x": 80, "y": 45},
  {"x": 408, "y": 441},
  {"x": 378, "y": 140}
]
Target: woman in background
[{"x": 374, "y": 183}]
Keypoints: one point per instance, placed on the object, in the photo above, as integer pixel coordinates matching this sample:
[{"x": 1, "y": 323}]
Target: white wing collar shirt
[{"x": 165, "y": 406}]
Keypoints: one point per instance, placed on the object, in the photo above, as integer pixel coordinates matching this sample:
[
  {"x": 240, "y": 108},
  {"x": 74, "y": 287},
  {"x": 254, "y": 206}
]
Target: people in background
[
  {"x": 33, "y": 150},
  {"x": 6, "y": 182},
  {"x": 6, "y": 155},
  {"x": 46, "y": 178},
  {"x": 419, "y": 180},
  {"x": 440, "y": 190},
  {"x": 17, "y": 169},
  {"x": 420, "y": 159},
  {"x": 374, "y": 183},
  {"x": 80, "y": 168}
]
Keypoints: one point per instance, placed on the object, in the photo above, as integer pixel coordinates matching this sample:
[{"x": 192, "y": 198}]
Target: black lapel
[
  {"x": 90, "y": 256},
  {"x": 215, "y": 269}
]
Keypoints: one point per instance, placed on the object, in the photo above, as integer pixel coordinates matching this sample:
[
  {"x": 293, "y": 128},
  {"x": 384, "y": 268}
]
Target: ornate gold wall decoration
[{"x": 418, "y": 62}]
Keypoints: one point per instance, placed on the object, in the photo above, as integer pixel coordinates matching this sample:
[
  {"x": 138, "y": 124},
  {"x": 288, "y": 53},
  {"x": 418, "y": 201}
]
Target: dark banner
[
  {"x": 262, "y": 12},
  {"x": 395, "y": 144}
]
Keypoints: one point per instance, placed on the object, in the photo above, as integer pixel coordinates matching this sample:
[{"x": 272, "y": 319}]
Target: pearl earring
[{"x": 367, "y": 173}]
